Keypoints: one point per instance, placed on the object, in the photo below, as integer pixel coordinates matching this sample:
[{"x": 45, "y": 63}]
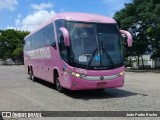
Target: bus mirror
[
  {"x": 66, "y": 36},
  {"x": 129, "y": 37}
]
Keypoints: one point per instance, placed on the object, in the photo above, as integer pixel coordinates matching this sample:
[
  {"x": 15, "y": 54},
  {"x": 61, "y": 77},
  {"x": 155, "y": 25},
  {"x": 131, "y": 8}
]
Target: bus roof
[
  {"x": 84, "y": 17},
  {"x": 70, "y": 16}
]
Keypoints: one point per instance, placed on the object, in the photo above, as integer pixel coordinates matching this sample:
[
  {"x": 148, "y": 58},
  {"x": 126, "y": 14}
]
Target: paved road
[{"x": 140, "y": 92}]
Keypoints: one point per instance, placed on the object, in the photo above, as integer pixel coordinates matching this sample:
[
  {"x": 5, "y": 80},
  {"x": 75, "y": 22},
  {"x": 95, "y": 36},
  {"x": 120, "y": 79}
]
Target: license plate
[{"x": 101, "y": 84}]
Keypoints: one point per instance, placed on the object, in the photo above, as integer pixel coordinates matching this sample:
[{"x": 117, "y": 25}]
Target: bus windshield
[{"x": 95, "y": 45}]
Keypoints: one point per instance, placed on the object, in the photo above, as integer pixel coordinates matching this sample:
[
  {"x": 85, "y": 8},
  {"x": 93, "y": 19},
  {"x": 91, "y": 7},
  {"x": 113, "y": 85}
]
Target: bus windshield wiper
[
  {"x": 91, "y": 59},
  {"x": 108, "y": 56}
]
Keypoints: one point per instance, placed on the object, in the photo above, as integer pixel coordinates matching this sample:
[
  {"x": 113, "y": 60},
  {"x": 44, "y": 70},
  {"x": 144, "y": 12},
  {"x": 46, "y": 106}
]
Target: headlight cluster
[
  {"x": 76, "y": 74},
  {"x": 121, "y": 73}
]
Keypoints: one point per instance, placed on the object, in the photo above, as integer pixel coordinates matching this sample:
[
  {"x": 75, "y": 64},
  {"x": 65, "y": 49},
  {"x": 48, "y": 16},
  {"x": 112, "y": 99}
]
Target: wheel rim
[
  {"x": 31, "y": 75},
  {"x": 58, "y": 85},
  {"x": 30, "y": 72}
]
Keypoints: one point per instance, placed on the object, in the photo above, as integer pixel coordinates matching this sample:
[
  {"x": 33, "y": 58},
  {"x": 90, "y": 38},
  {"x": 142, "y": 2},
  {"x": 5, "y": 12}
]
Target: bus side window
[
  {"x": 43, "y": 39},
  {"x": 62, "y": 47},
  {"x": 26, "y": 44},
  {"x": 29, "y": 43},
  {"x": 50, "y": 36}
]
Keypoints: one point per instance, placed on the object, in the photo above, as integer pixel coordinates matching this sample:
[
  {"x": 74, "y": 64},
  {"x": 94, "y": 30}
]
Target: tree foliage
[
  {"x": 11, "y": 44},
  {"x": 142, "y": 19}
]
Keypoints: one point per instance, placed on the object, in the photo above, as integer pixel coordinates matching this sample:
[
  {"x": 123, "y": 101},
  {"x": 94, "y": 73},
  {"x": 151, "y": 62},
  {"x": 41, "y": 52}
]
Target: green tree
[
  {"x": 4, "y": 50},
  {"x": 11, "y": 44},
  {"x": 142, "y": 19}
]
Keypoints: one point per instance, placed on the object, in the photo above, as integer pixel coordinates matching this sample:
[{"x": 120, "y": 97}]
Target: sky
[{"x": 29, "y": 14}]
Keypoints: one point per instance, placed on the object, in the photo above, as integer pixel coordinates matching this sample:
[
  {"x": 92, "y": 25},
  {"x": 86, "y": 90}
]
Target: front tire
[{"x": 58, "y": 86}]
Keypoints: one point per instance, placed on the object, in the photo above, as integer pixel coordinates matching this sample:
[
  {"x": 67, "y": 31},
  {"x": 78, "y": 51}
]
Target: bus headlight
[
  {"x": 121, "y": 73},
  {"x": 76, "y": 74}
]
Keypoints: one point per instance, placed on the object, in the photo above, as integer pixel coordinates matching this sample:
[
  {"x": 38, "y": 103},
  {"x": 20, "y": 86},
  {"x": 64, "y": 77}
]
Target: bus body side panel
[
  {"x": 46, "y": 70},
  {"x": 43, "y": 62}
]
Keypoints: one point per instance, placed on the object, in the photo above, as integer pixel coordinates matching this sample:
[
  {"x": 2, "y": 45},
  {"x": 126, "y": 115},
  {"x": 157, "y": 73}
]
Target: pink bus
[{"x": 77, "y": 51}]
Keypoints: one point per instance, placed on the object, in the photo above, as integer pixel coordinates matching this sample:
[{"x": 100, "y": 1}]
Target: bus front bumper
[{"x": 86, "y": 84}]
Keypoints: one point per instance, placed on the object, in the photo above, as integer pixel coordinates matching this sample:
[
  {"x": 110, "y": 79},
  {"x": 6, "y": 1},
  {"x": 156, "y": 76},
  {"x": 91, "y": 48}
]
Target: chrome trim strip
[{"x": 111, "y": 77}]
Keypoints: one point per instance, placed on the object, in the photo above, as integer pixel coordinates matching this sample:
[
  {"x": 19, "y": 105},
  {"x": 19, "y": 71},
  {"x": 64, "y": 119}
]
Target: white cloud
[
  {"x": 32, "y": 21},
  {"x": 10, "y": 27},
  {"x": 36, "y": 18},
  {"x": 112, "y": 6},
  {"x": 18, "y": 21},
  {"x": 42, "y": 6},
  {"x": 8, "y": 4}
]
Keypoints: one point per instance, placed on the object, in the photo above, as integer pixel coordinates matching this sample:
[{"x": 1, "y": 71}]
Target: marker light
[{"x": 122, "y": 73}]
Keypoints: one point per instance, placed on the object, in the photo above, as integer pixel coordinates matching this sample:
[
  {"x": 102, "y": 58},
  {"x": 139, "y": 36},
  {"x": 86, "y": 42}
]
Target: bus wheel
[
  {"x": 31, "y": 75},
  {"x": 58, "y": 86}
]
